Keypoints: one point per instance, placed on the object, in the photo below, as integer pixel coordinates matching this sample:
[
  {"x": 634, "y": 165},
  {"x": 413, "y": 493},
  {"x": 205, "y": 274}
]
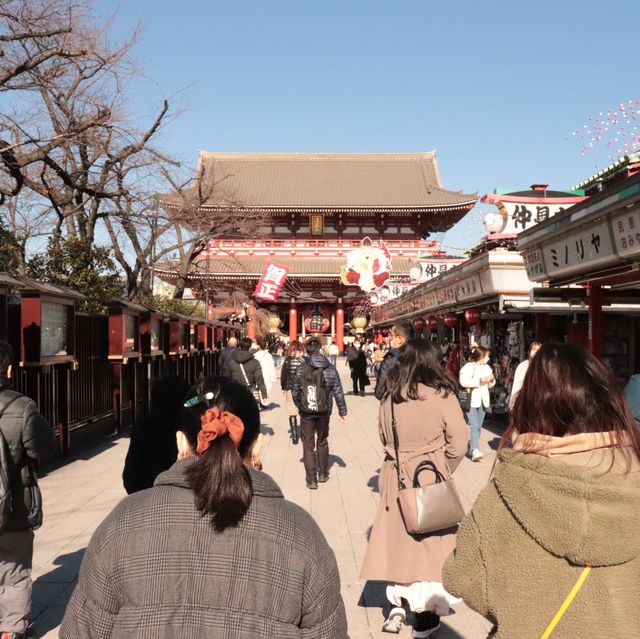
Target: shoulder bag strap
[
  {"x": 244, "y": 374},
  {"x": 4, "y": 408},
  {"x": 566, "y": 603},
  {"x": 394, "y": 431}
]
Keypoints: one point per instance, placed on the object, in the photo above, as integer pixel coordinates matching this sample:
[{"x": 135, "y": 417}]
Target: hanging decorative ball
[
  {"x": 274, "y": 323},
  {"x": 415, "y": 273},
  {"x": 494, "y": 222},
  {"x": 419, "y": 323},
  {"x": 450, "y": 320},
  {"x": 432, "y": 322},
  {"x": 359, "y": 323},
  {"x": 472, "y": 316},
  {"x": 374, "y": 298}
]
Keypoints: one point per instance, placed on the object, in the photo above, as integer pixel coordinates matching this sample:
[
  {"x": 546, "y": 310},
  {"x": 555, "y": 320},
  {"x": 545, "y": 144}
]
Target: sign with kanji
[
  {"x": 517, "y": 217},
  {"x": 271, "y": 282},
  {"x": 432, "y": 268},
  {"x": 626, "y": 232}
]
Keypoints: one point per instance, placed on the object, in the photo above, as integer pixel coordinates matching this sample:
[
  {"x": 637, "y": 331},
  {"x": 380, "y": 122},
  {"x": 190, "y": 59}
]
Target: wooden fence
[{"x": 95, "y": 397}]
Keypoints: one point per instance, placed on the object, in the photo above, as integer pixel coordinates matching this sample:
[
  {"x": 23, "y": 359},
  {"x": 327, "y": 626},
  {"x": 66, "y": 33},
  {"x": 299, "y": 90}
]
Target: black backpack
[
  {"x": 314, "y": 396},
  {"x": 5, "y": 478}
]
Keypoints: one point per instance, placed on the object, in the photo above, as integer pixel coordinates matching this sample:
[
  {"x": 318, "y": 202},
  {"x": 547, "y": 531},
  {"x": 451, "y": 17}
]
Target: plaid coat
[{"x": 156, "y": 569}]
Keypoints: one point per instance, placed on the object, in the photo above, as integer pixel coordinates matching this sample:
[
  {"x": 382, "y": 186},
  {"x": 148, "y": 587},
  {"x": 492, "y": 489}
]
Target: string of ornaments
[{"x": 618, "y": 128}]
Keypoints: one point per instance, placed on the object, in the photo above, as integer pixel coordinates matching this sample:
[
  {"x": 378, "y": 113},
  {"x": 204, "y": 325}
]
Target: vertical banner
[{"x": 271, "y": 282}]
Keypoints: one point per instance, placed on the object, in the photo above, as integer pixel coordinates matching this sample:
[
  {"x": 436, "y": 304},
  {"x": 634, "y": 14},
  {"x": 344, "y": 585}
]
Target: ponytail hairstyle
[{"x": 219, "y": 479}]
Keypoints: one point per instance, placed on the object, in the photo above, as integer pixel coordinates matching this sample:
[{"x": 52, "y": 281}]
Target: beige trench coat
[{"x": 433, "y": 428}]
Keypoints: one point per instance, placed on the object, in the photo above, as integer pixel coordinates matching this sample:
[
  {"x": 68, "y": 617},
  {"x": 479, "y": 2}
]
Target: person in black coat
[
  {"x": 26, "y": 439},
  {"x": 152, "y": 448},
  {"x": 358, "y": 366},
  {"x": 295, "y": 357},
  {"x": 244, "y": 368}
]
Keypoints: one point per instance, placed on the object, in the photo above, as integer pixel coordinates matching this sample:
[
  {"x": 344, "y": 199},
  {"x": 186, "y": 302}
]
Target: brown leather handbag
[{"x": 426, "y": 509}]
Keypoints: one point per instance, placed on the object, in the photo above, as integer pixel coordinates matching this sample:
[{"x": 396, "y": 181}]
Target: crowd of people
[{"x": 205, "y": 545}]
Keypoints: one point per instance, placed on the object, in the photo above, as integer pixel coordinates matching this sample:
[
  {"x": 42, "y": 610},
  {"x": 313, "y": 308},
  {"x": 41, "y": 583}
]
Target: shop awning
[{"x": 596, "y": 240}]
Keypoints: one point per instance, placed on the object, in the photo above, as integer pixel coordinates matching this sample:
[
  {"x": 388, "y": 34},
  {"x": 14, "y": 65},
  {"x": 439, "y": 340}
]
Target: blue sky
[{"x": 495, "y": 87}]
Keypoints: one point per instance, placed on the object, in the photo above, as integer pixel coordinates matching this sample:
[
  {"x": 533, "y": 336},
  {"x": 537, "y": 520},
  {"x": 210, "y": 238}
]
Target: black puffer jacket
[
  {"x": 240, "y": 360},
  {"x": 387, "y": 364},
  {"x": 28, "y": 436},
  {"x": 289, "y": 370},
  {"x": 331, "y": 379}
]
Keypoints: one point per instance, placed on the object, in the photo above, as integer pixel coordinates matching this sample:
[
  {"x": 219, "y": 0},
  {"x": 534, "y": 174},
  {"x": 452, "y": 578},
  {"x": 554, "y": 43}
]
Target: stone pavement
[{"x": 79, "y": 494}]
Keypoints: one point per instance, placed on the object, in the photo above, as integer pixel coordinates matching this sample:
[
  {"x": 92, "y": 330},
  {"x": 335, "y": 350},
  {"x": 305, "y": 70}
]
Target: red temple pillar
[
  {"x": 595, "y": 320},
  {"x": 340, "y": 324},
  {"x": 251, "y": 324},
  {"x": 293, "y": 320}
]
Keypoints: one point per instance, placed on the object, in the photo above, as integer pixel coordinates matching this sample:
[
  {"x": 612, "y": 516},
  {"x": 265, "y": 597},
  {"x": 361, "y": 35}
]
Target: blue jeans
[{"x": 476, "y": 417}]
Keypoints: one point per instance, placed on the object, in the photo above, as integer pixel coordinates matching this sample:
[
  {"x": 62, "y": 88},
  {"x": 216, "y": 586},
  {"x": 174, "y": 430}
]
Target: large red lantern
[
  {"x": 472, "y": 316},
  {"x": 432, "y": 322},
  {"x": 316, "y": 318},
  {"x": 450, "y": 320},
  {"x": 419, "y": 324}
]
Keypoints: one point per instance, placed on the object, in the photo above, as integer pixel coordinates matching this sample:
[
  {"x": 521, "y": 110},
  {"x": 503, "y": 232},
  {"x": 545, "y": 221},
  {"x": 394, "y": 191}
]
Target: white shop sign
[
  {"x": 534, "y": 265},
  {"x": 625, "y": 227},
  {"x": 433, "y": 268},
  {"x": 468, "y": 288},
  {"x": 583, "y": 249},
  {"x": 516, "y": 217}
]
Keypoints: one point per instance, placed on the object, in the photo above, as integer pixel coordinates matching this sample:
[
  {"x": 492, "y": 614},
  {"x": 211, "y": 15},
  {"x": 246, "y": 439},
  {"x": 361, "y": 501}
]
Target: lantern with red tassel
[
  {"x": 472, "y": 316},
  {"x": 450, "y": 320},
  {"x": 432, "y": 322}
]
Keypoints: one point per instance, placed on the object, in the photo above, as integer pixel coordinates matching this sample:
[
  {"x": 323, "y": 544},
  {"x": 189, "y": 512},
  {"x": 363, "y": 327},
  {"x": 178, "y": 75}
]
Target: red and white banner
[{"x": 271, "y": 282}]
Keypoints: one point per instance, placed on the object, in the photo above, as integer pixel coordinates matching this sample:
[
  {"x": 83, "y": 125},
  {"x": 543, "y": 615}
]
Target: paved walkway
[{"x": 79, "y": 494}]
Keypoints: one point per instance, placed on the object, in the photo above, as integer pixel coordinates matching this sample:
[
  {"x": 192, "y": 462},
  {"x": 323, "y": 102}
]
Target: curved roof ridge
[{"x": 298, "y": 157}]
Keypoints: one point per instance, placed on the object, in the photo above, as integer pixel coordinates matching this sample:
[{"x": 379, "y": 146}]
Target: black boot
[
  {"x": 295, "y": 431},
  {"x": 425, "y": 624}
]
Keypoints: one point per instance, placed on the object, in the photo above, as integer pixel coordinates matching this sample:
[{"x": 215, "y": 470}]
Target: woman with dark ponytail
[{"x": 213, "y": 549}]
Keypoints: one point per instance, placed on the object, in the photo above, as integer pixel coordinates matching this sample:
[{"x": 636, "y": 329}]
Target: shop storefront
[{"x": 595, "y": 245}]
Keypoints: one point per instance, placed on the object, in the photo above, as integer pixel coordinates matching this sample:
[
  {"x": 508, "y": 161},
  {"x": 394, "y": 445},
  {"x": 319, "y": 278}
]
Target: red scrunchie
[{"x": 216, "y": 423}]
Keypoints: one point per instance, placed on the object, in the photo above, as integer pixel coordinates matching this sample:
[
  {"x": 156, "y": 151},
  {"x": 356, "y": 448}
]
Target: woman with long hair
[
  {"x": 430, "y": 426},
  {"x": 477, "y": 375},
  {"x": 294, "y": 357},
  {"x": 561, "y": 515},
  {"x": 213, "y": 549}
]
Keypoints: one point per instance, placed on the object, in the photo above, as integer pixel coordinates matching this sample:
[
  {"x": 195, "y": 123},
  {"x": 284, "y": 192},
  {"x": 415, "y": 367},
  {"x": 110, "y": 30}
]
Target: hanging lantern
[
  {"x": 384, "y": 293},
  {"x": 432, "y": 322},
  {"x": 415, "y": 273},
  {"x": 374, "y": 298},
  {"x": 419, "y": 324},
  {"x": 317, "y": 318},
  {"x": 472, "y": 316},
  {"x": 274, "y": 323},
  {"x": 359, "y": 323},
  {"x": 450, "y": 320},
  {"x": 494, "y": 222}
]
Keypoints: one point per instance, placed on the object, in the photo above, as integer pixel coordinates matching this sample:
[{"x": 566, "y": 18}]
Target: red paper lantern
[
  {"x": 472, "y": 316},
  {"x": 419, "y": 324},
  {"x": 432, "y": 322},
  {"x": 450, "y": 320}
]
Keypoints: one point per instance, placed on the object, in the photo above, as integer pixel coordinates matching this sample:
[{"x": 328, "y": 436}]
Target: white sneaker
[{"x": 476, "y": 455}]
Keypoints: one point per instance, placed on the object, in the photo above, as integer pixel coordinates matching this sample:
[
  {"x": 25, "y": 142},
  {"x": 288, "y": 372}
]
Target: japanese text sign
[{"x": 271, "y": 282}]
